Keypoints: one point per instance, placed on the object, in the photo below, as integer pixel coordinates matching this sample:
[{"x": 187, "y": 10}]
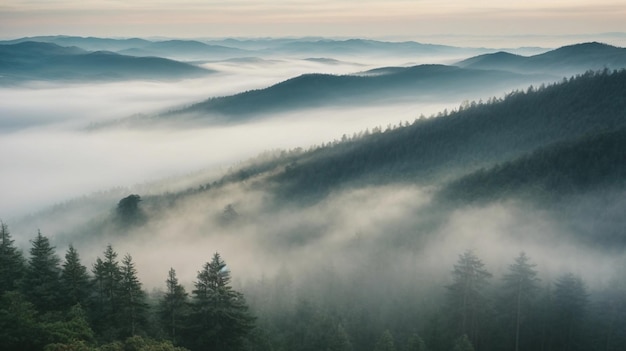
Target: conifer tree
[
  {"x": 466, "y": 295},
  {"x": 42, "y": 284},
  {"x": 173, "y": 306},
  {"x": 105, "y": 298},
  {"x": 220, "y": 318},
  {"x": 416, "y": 343},
  {"x": 12, "y": 265},
  {"x": 75, "y": 280},
  {"x": 132, "y": 300},
  {"x": 385, "y": 342},
  {"x": 571, "y": 300},
  {"x": 520, "y": 288}
]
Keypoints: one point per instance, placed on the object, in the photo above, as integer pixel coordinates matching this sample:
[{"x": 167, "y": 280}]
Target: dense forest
[{"x": 52, "y": 304}]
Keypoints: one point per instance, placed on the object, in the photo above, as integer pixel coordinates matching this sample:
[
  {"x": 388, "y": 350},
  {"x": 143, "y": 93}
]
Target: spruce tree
[
  {"x": 220, "y": 318},
  {"x": 12, "y": 265},
  {"x": 385, "y": 342},
  {"x": 520, "y": 288},
  {"x": 42, "y": 284},
  {"x": 132, "y": 308},
  {"x": 75, "y": 280},
  {"x": 466, "y": 295},
  {"x": 571, "y": 302},
  {"x": 173, "y": 306},
  {"x": 105, "y": 298}
]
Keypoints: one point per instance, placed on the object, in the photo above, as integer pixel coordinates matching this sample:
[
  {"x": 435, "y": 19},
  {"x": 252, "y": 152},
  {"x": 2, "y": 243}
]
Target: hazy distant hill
[
  {"x": 360, "y": 46},
  {"x": 566, "y": 60},
  {"x": 86, "y": 43},
  {"x": 45, "y": 61},
  {"x": 388, "y": 84},
  {"x": 185, "y": 49},
  {"x": 566, "y": 138}
]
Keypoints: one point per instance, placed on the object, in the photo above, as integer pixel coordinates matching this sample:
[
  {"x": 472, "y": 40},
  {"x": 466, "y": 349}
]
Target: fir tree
[
  {"x": 466, "y": 297},
  {"x": 105, "y": 298},
  {"x": 75, "y": 280},
  {"x": 221, "y": 319},
  {"x": 520, "y": 288},
  {"x": 385, "y": 342},
  {"x": 42, "y": 284},
  {"x": 173, "y": 306},
  {"x": 12, "y": 265},
  {"x": 132, "y": 300}
]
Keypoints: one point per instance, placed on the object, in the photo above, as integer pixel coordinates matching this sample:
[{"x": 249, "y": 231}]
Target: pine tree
[
  {"x": 75, "y": 280},
  {"x": 173, "y": 306},
  {"x": 42, "y": 284},
  {"x": 132, "y": 300},
  {"x": 12, "y": 265},
  {"x": 466, "y": 297},
  {"x": 221, "y": 319},
  {"x": 520, "y": 288}
]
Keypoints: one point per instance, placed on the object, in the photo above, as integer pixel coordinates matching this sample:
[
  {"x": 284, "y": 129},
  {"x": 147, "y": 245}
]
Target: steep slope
[
  {"x": 294, "y": 199},
  {"x": 566, "y": 60},
  {"x": 443, "y": 148},
  {"x": 579, "y": 165},
  {"x": 45, "y": 61}
]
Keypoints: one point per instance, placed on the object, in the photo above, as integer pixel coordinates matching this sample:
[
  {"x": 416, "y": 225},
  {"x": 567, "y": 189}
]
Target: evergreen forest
[{"x": 55, "y": 304}]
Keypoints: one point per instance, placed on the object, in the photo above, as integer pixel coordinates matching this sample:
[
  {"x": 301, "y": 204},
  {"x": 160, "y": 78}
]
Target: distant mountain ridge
[
  {"x": 565, "y": 60},
  {"x": 28, "y": 60},
  {"x": 385, "y": 84}
]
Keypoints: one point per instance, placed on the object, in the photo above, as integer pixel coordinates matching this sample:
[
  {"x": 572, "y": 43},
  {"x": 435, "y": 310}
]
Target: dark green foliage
[
  {"x": 476, "y": 137},
  {"x": 19, "y": 328},
  {"x": 220, "y": 319},
  {"x": 12, "y": 265},
  {"x": 107, "y": 278},
  {"x": 385, "y": 342},
  {"x": 558, "y": 170},
  {"x": 42, "y": 284},
  {"x": 463, "y": 343},
  {"x": 75, "y": 280},
  {"x": 467, "y": 300},
  {"x": 519, "y": 293},
  {"x": 571, "y": 302},
  {"x": 73, "y": 330},
  {"x": 128, "y": 212},
  {"x": 173, "y": 306},
  {"x": 132, "y": 308},
  {"x": 415, "y": 343},
  {"x": 138, "y": 343}
]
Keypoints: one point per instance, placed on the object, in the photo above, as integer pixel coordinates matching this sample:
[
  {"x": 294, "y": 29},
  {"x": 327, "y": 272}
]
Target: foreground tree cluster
[
  {"x": 46, "y": 304},
  {"x": 50, "y": 304}
]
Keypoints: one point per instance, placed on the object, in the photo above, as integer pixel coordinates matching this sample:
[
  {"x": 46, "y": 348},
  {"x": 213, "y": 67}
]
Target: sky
[{"x": 401, "y": 19}]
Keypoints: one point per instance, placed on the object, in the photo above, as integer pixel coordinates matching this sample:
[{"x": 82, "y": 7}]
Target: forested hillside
[{"x": 495, "y": 227}]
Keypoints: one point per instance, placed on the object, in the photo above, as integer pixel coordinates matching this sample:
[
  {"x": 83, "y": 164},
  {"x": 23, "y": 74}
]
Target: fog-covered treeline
[{"x": 60, "y": 304}]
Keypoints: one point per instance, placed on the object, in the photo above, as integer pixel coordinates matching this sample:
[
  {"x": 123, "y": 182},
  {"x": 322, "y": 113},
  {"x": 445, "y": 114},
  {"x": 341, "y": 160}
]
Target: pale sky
[{"x": 280, "y": 18}]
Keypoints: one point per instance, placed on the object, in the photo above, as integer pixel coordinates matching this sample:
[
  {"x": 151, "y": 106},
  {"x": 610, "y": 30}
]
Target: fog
[
  {"x": 366, "y": 243},
  {"x": 50, "y": 157}
]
